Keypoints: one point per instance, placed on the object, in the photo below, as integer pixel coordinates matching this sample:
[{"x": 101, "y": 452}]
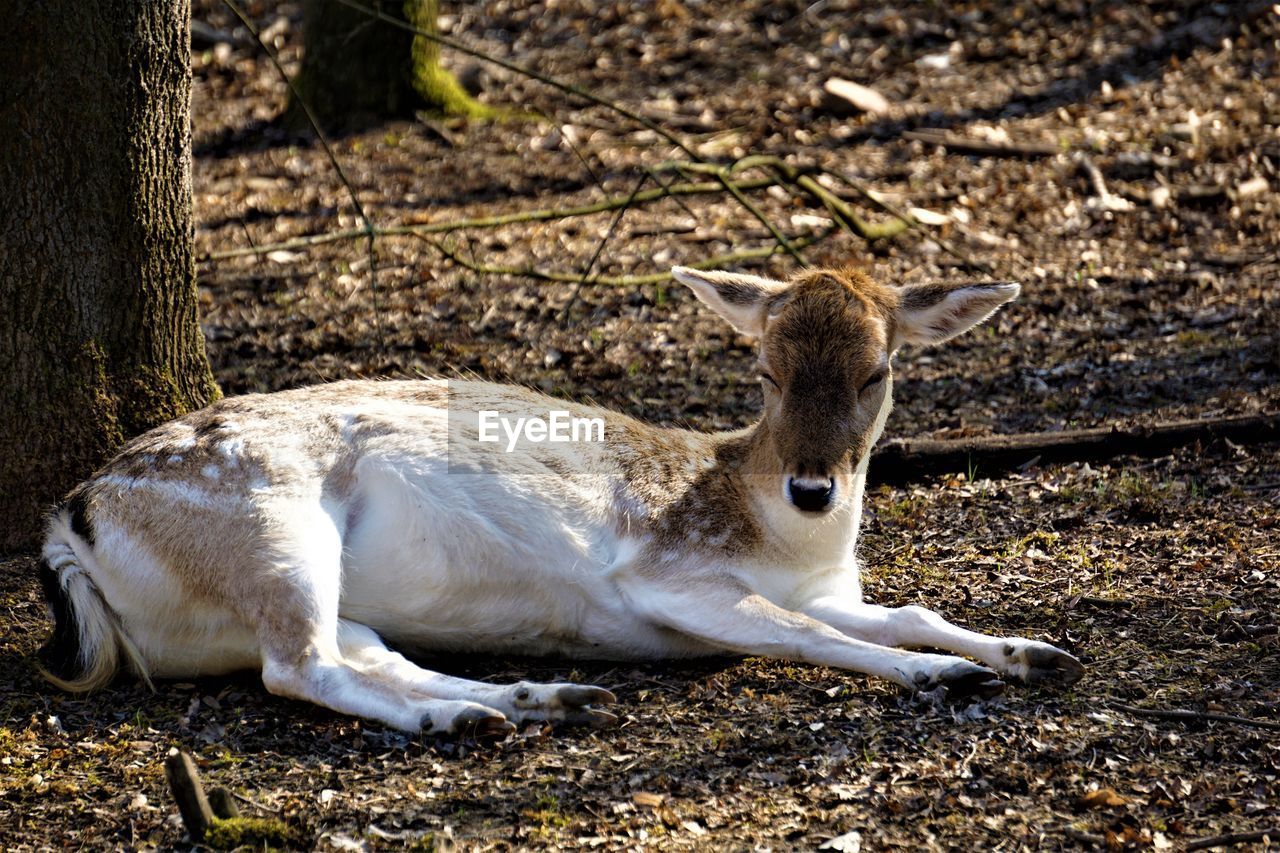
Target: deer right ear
[
  {"x": 741, "y": 299},
  {"x": 932, "y": 313}
]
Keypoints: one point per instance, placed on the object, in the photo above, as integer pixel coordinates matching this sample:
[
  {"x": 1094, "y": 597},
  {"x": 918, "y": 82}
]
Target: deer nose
[{"x": 811, "y": 494}]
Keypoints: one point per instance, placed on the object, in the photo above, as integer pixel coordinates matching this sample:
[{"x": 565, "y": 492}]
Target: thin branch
[
  {"x": 577, "y": 152},
  {"x": 1084, "y": 837},
  {"x": 368, "y": 231},
  {"x": 657, "y": 179},
  {"x": 1185, "y": 715},
  {"x": 624, "y": 281},
  {"x": 778, "y": 236},
  {"x": 613, "y": 226},
  {"x": 604, "y": 241},
  {"x": 908, "y": 460},
  {"x": 584, "y": 94},
  {"x": 894, "y": 211},
  {"x": 769, "y": 161},
  {"x": 789, "y": 174},
  {"x": 1231, "y": 839},
  {"x": 497, "y": 221},
  {"x": 981, "y": 147},
  {"x": 845, "y": 215},
  {"x": 723, "y": 174}
]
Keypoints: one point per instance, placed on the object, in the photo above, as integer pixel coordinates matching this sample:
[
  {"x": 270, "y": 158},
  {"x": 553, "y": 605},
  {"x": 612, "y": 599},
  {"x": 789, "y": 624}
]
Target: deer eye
[
  {"x": 876, "y": 379},
  {"x": 764, "y": 377}
]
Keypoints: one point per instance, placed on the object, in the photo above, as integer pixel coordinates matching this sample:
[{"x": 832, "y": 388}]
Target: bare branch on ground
[
  {"x": 1185, "y": 715},
  {"x": 1233, "y": 839},
  {"x": 907, "y": 460},
  {"x": 495, "y": 221},
  {"x": 629, "y": 280},
  {"x": 368, "y": 231},
  {"x": 968, "y": 145}
]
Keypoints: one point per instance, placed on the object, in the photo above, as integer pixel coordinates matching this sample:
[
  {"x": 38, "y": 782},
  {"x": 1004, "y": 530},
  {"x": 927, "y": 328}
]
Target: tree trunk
[
  {"x": 98, "y": 332},
  {"x": 357, "y": 69}
]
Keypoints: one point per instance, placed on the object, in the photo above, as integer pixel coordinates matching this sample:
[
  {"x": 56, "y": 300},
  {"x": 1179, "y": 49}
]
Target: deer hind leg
[
  {"x": 519, "y": 702},
  {"x": 1028, "y": 661},
  {"x": 295, "y": 608}
]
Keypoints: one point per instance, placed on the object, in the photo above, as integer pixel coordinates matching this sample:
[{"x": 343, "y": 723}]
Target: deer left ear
[
  {"x": 741, "y": 299},
  {"x": 932, "y": 313}
]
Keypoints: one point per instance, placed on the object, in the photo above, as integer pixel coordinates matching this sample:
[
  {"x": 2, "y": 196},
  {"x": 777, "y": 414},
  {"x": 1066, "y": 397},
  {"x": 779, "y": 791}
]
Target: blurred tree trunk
[
  {"x": 356, "y": 68},
  {"x": 98, "y": 332}
]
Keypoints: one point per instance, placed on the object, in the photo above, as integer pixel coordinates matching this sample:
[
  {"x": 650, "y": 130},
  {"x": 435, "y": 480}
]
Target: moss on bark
[
  {"x": 356, "y": 69},
  {"x": 437, "y": 87}
]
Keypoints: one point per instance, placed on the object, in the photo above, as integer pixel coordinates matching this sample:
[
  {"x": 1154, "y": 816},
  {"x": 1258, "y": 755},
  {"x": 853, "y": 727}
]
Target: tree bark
[
  {"x": 98, "y": 332},
  {"x": 357, "y": 69}
]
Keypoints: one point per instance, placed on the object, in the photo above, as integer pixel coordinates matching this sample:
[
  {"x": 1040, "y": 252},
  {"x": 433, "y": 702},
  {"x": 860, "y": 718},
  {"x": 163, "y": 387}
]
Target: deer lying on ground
[{"x": 301, "y": 532}]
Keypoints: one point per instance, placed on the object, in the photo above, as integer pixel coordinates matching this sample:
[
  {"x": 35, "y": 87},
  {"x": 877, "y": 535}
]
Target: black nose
[{"x": 811, "y": 495}]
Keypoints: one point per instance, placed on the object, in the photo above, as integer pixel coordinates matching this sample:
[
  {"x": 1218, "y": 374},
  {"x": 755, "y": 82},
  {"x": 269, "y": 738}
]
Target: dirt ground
[{"x": 1152, "y": 298}]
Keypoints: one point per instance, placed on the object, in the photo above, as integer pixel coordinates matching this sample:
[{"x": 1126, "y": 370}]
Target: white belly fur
[{"x": 484, "y": 562}]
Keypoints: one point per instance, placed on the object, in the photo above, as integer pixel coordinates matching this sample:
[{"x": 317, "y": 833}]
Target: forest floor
[{"x": 1156, "y": 299}]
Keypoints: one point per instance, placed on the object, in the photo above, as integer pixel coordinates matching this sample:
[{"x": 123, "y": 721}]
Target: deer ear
[
  {"x": 932, "y": 313},
  {"x": 741, "y": 299}
]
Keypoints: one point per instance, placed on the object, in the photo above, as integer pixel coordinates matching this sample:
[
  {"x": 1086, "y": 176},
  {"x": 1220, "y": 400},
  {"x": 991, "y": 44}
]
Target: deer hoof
[
  {"x": 590, "y": 717},
  {"x": 576, "y": 704},
  {"x": 581, "y": 695},
  {"x": 1041, "y": 663},
  {"x": 963, "y": 679},
  {"x": 480, "y": 722}
]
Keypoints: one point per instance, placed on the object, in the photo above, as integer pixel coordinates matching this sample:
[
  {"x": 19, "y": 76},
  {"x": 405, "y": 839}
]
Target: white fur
[
  {"x": 439, "y": 543},
  {"x": 961, "y": 310},
  {"x": 745, "y": 317}
]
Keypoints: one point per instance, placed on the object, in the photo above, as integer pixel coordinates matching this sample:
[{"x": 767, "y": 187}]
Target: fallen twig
[
  {"x": 1105, "y": 199},
  {"x": 840, "y": 209},
  {"x": 628, "y": 280},
  {"x": 604, "y": 241},
  {"x": 1099, "y": 184},
  {"x": 585, "y": 95},
  {"x": 844, "y": 214},
  {"x": 890, "y": 209},
  {"x": 967, "y": 145},
  {"x": 723, "y": 175},
  {"x": 496, "y": 221},
  {"x": 1185, "y": 715},
  {"x": 1084, "y": 837},
  {"x": 1233, "y": 838},
  {"x": 751, "y": 208},
  {"x": 907, "y": 460},
  {"x": 1098, "y": 601},
  {"x": 367, "y": 230},
  {"x": 1240, "y": 261},
  {"x": 802, "y": 179}
]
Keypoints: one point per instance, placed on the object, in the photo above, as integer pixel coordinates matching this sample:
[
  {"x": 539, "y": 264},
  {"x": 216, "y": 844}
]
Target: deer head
[{"x": 826, "y": 342}]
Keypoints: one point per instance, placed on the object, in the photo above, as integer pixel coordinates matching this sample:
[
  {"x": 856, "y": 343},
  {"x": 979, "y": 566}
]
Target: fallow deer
[{"x": 307, "y": 533}]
